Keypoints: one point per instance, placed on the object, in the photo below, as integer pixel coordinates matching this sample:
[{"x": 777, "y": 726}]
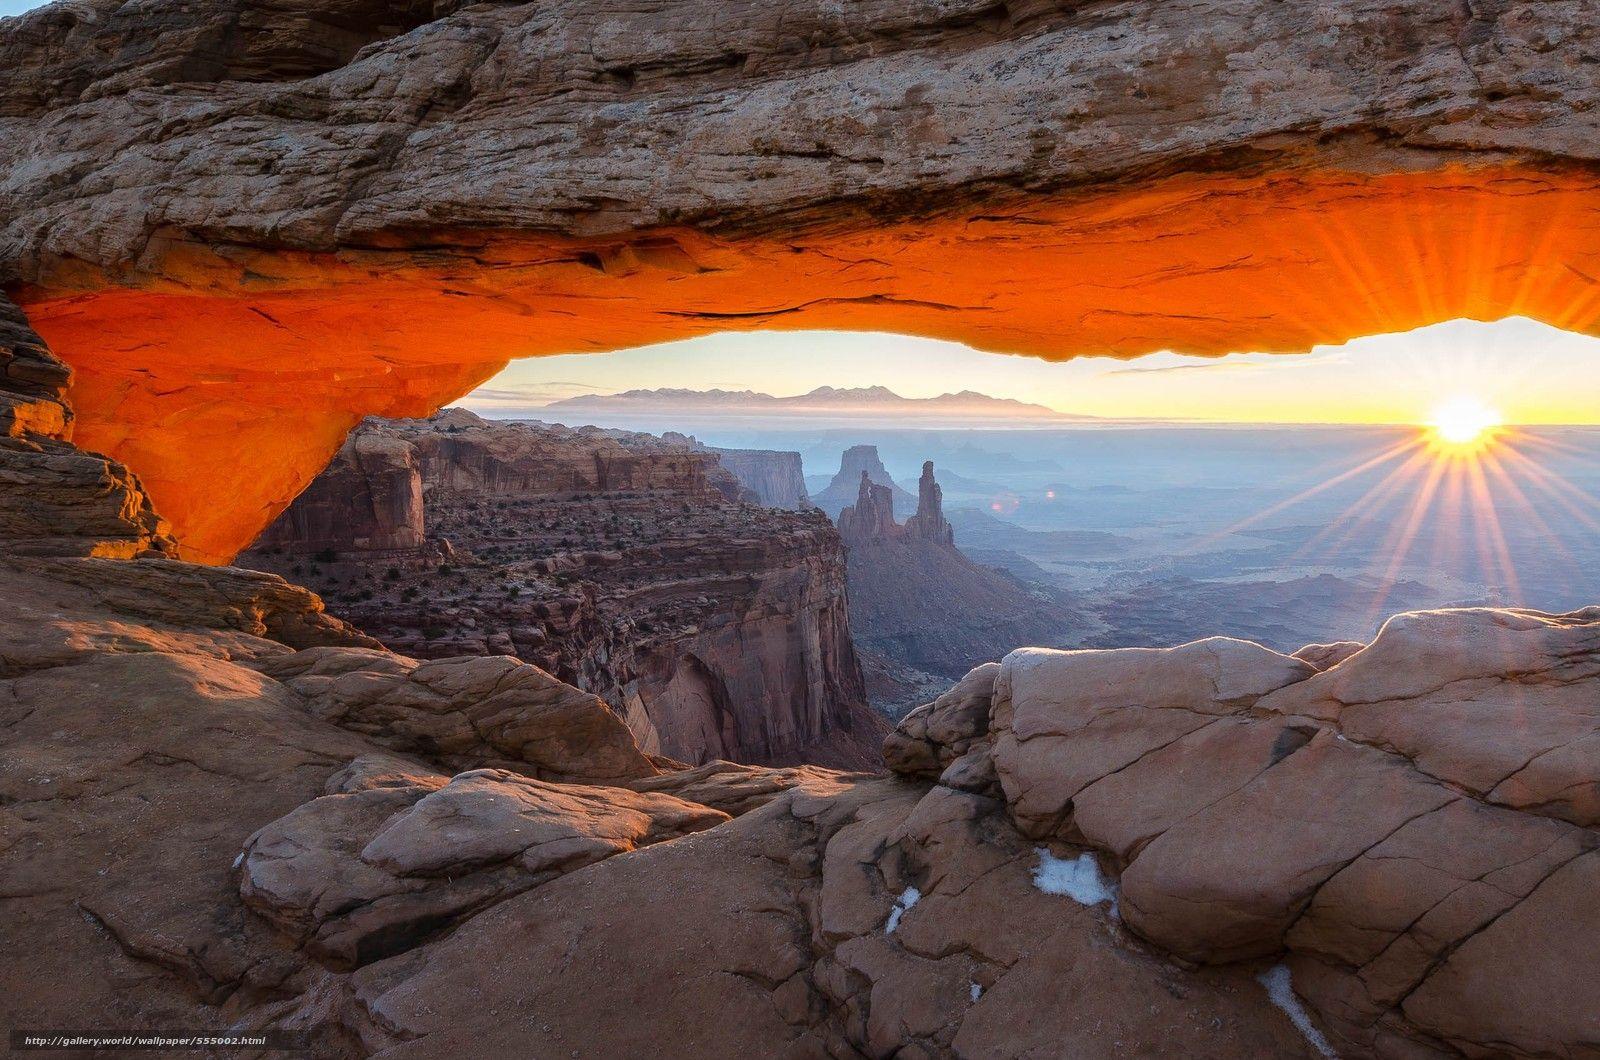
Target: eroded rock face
[
  {"x": 1499, "y": 702},
  {"x": 805, "y": 940},
  {"x": 1231, "y": 176},
  {"x": 466, "y": 712},
  {"x": 1064, "y": 719},
  {"x": 777, "y": 478},
  {"x": 625, "y": 564},
  {"x": 936, "y": 734}
]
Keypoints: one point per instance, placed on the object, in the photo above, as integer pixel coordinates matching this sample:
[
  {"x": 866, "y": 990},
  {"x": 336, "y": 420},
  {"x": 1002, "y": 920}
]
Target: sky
[
  {"x": 1526, "y": 371},
  {"x": 17, "y": 7}
]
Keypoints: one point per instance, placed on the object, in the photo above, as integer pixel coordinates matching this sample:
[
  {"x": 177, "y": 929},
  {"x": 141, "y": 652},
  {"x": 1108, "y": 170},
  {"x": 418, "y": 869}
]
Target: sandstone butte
[{"x": 245, "y": 225}]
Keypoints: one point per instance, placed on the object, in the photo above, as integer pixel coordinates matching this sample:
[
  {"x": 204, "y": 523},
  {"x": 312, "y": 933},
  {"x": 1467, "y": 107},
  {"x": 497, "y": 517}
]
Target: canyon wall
[
  {"x": 624, "y": 564},
  {"x": 918, "y": 604},
  {"x": 777, "y": 478}
]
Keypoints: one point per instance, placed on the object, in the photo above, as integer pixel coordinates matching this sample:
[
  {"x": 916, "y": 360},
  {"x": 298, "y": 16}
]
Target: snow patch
[
  {"x": 1078, "y": 878},
  {"x": 1281, "y": 991},
  {"x": 977, "y": 991},
  {"x": 908, "y": 898}
]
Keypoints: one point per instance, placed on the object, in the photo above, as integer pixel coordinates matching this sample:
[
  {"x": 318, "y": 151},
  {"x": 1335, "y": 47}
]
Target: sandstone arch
[{"x": 241, "y": 260}]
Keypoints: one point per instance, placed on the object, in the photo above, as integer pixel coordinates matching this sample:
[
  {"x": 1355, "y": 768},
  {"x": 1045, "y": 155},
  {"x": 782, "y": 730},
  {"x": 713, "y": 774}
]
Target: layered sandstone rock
[
  {"x": 856, "y": 463},
  {"x": 776, "y": 478},
  {"x": 916, "y": 601},
  {"x": 359, "y": 874},
  {"x": 618, "y": 562},
  {"x": 1252, "y": 806},
  {"x": 1230, "y": 177}
]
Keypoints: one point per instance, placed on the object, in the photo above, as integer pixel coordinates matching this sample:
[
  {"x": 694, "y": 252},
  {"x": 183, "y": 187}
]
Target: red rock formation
[
  {"x": 929, "y": 525},
  {"x": 916, "y": 601},
  {"x": 227, "y": 309},
  {"x": 1409, "y": 830},
  {"x": 856, "y": 462},
  {"x": 616, "y": 561},
  {"x": 871, "y": 519},
  {"x": 776, "y": 478}
]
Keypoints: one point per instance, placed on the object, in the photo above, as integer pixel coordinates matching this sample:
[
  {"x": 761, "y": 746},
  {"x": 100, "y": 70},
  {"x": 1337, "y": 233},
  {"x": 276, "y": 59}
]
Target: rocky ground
[
  {"x": 1140, "y": 851},
  {"x": 222, "y": 808},
  {"x": 248, "y": 225}
]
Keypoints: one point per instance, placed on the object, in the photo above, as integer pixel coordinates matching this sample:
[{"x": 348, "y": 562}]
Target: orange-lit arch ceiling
[{"x": 226, "y": 377}]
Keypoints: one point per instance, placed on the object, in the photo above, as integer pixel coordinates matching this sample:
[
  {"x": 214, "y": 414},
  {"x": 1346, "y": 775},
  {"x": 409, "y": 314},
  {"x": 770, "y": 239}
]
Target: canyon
[
  {"x": 922, "y": 612},
  {"x": 843, "y": 490},
  {"x": 225, "y": 808},
  {"x": 627, "y": 565},
  {"x": 231, "y": 231}
]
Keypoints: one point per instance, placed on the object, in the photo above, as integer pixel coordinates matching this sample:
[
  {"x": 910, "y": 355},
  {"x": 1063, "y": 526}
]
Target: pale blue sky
[
  {"x": 17, "y": 7},
  {"x": 1529, "y": 372}
]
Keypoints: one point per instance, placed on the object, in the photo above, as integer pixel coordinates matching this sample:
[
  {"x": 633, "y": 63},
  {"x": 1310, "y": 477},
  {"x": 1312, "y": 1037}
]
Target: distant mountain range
[{"x": 823, "y": 401}]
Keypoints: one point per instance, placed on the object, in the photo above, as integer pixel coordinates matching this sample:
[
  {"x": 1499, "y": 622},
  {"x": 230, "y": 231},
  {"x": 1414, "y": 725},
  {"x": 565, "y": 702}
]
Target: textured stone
[
  {"x": 1327, "y": 656},
  {"x": 737, "y": 789},
  {"x": 625, "y": 564},
  {"x": 356, "y": 876},
  {"x": 1496, "y": 701},
  {"x": 33, "y": 381},
  {"x": 934, "y": 735},
  {"x": 776, "y": 478},
  {"x": 1063, "y": 720},
  {"x": 778, "y": 945},
  {"x": 654, "y": 171},
  {"x": 467, "y": 712}
]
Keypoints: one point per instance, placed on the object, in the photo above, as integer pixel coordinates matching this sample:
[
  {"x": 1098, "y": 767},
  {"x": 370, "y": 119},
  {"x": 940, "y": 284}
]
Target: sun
[{"x": 1463, "y": 424}]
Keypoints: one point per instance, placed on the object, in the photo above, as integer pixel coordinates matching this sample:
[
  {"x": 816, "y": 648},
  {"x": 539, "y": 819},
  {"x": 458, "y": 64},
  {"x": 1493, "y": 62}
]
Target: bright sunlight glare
[{"x": 1464, "y": 422}]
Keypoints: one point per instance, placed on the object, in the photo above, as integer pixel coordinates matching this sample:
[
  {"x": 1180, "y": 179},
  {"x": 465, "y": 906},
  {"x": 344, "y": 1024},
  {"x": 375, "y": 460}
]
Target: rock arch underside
[
  {"x": 230, "y": 230},
  {"x": 238, "y": 269}
]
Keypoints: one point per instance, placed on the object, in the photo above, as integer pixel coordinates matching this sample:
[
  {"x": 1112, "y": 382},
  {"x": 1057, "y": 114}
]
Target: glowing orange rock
[{"x": 227, "y": 381}]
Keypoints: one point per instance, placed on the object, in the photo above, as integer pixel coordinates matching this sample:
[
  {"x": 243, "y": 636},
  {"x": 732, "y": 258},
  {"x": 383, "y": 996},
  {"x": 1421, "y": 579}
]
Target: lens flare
[{"x": 1463, "y": 424}]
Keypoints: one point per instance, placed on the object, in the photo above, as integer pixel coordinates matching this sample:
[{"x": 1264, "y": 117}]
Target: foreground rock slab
[
  {"x": 1408, "y": 825},
  {"x": 357, "y": 875}
]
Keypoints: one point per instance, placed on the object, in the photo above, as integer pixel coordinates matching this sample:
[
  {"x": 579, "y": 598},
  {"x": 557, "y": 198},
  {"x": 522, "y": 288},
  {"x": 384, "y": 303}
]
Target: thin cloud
[
  {"x": 529, "y": 392},
  {"x": 1315, "y": 359},
  {"x": 1163, "y": 369}
]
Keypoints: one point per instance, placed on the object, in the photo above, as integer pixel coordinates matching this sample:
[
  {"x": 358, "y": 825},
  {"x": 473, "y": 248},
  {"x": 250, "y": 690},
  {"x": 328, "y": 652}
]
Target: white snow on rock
[
  {"x": 1078, "y": 878},
  {"x": 908, "y": 898},
  {"x": 1281, "y": 991}
]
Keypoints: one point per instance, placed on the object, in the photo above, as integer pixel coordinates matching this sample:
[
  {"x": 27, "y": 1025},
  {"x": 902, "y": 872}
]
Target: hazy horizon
[{"x": 1530, "y": 373}]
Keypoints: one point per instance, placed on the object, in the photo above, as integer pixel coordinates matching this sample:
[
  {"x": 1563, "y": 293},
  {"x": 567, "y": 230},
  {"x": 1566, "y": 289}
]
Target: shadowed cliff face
[
  {"x": 622, "y": 563},
  {"x": 239, "y": 269}
]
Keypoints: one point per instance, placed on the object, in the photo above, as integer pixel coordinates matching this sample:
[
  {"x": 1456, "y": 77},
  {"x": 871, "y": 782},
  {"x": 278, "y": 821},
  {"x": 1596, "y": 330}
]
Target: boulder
[
  {"x": 1327, "y": 656},
  {"x": 934, "y": 735},
  {"x": 358, "y": 875},
  {"x": 1064, "y": 719},
  {"x": 466, "y": 712},
  {"x": 1498, "y": 702}
]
